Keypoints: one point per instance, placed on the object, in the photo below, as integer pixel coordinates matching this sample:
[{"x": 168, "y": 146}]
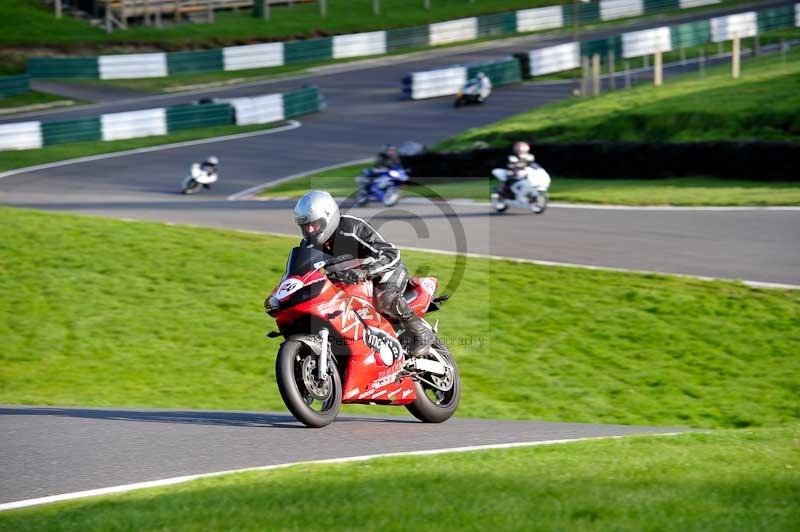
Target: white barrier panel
[
  {"x": 686, "y": 4},
  {"x": 542, "y": 18},
  {"x": 20, "y": 136},
  {"x": 357, "y": 44},
  {"x": 797, "y": 15},
  {"x": 259, "y": 109},
  {"x": 132, "y": 124},
  {"x": 739, "y": 25},
  {"x": 555, "y": 59},
  {"x": 131, "y": 66},
  {"x": 613, "y": 9},
  {"x": 463, "y": 29},
  {"x": 646, "y": 42},
  {"x": 253, "y": 56},
  {"x": 433, "y": 83}
]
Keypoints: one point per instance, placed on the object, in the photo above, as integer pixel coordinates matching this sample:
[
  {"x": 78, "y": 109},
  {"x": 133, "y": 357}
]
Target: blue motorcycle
[{"x": 382, "y": 184}]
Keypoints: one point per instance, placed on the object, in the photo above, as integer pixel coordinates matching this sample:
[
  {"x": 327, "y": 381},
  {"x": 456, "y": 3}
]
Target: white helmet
[
  {"x": 317, "y": 214},
  {"x": 213, "y": 160}
]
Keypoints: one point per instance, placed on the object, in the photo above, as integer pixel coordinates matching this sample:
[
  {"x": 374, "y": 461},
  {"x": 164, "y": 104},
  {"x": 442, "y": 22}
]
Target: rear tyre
[
  {"x": 312, "y": 402},
  {"x": 433, "y": 405},
  {"x": 539, "y": 204}
]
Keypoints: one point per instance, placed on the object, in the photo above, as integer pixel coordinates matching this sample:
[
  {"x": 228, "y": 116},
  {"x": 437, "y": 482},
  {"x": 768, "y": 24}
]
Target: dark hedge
[{"x": 759, "y": 161}]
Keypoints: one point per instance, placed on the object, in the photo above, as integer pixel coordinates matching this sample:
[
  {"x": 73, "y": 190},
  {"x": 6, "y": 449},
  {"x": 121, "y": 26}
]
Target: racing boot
[{"x": 417, "y": 337}]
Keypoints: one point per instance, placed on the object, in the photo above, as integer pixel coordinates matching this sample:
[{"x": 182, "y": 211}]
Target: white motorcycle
[
  {"x": 529, "y": 191},
  {"x": 197, "y": 179},
  {"x": 476, "y": 90}
]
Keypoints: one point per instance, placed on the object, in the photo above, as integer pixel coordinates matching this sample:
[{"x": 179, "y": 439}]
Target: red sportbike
[{"x": 339, "y": 349}]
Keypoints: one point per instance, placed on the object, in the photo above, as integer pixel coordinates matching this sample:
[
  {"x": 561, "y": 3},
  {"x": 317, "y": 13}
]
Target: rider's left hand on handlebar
[{"x": 351, "y": 276}]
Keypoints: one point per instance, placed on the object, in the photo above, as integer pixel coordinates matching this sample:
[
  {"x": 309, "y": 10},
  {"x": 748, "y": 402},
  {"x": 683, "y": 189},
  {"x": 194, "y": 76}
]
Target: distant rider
[
  {"x": 517, "y": 164},
  {"x": 485, "y": 85},
  {"x": 324, "y": 228},
  {"x": 210, "y": 166}
]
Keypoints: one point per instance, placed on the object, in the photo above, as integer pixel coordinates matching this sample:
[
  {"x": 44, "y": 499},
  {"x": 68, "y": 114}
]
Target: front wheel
[
  {"x": 314, "y": 402},
  {"x": 497, "y": 203},
  {"x": 539, "y": 203},
  {"x": 436, "y": 404},
  {"x": 191, "y": 188},
  {"x": 391, "y": 197}
]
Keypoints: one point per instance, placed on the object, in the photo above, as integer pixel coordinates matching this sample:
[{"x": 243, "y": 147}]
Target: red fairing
[{"x": 370, "y": 375}]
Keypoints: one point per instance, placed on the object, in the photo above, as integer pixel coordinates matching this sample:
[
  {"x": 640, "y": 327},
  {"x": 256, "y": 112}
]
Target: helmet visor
[{"x": 312, "y": 231}]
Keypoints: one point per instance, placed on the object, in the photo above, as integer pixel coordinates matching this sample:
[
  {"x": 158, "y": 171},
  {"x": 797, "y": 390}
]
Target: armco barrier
[
  {"x": 14, "y": 85},
  {"x": 160, "y": 121},
  {"x": 447, "y": 81},
  {"x": 564, "y": 57},
  {"x": 346, "y": 46}
]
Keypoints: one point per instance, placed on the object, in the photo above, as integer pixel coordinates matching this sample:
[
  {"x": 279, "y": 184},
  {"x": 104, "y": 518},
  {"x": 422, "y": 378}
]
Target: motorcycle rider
[
  {"x": 210, "y": 166},
  {"x": 324, "y": 228},
  {"x": 485, "y": 85},
  {"x": 517, "y": 163},
  {"x": 387, "y": 158}
]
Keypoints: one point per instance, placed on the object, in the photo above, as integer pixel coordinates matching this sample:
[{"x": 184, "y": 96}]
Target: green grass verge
[
  {"x": 29, "y": 23},
  {"x": 675, "y": 191},
  {"x": 727, "y": 480},
  {"x": 105, "y": 312},
  {"x": 12, "y": 159},
  {"x": 31, "y": 98},
  {"x": 763, "y": 104}
]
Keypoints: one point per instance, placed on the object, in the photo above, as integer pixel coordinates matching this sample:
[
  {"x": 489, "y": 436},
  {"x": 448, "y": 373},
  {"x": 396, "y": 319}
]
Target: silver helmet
[{"x": 317, "y": 214}]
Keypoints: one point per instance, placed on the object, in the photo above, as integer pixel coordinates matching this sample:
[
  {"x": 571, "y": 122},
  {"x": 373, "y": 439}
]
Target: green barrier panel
[
  {"x": 63, "y": 67},
  {"x": 201, "y": 115},
  {"x": 586, "y": 13},
  {"x": 654, "y": 6},
  {"x": 301, "y": 102},
  {"x": 14, "y": 85},
  {"x": 400, "y": 38},
  {"x": 310, "y": 50},
  {"x": 602, "y": 47},
  {"x": 63, "y": 131},
  {"x": 499, "y": 72},
  {"x": 497, "y": 24},
  {"x": 776, "y": 18},
  {"x": 691, "y": 34},
  {"x": 199, "y": 61}
]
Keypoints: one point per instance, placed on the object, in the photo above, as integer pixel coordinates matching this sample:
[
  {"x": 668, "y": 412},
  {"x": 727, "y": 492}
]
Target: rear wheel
[
  {"x": 314, "y": 402},
  {"x": 436, "y": 404},
  {"x": 539, "y": 203}
]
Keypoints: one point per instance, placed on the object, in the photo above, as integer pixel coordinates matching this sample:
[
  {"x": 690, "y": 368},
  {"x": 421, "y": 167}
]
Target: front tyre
[
  {"x": 391, "y": 197},
  {"x": 497, "y": 203},
  {"x": 437, "y": 404},
  {"x": 312, "y": 402}
]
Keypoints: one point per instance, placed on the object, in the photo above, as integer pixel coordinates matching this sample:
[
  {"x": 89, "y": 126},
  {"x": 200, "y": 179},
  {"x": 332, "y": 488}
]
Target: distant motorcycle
[
  {"x": 529, "y": 191},
  {"x": 381, "y": 184},
  {"x": 476, "y": 90},
  {"x": 198, "y": 178}
]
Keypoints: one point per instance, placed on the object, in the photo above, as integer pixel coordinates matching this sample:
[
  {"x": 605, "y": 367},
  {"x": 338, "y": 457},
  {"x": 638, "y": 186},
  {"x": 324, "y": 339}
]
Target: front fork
[{"x": 322, "y": 364}]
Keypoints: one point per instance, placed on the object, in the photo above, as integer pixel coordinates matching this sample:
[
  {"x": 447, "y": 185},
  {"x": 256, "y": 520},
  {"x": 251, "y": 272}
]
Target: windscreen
[{"x": 302, "y": 260}]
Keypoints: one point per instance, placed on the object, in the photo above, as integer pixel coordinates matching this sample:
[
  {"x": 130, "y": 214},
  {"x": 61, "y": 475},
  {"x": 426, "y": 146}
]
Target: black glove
[{"x": 352, "y": 276}]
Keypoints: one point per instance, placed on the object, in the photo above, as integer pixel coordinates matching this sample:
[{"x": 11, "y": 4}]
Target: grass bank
[
  {"x": 688, "y": 191},
  {"x": 32, "y": 98},
  {"x": 12, "y": 159},
  {"x": 104, "y": 312},
  {"x": 727, "y": 480},
  {"x": 763, "y": 104}
]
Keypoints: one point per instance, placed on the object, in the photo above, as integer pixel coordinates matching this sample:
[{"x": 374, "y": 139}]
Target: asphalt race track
[
  {"x": 56, "y": 450},
  {"x": 50, "y": 451}
]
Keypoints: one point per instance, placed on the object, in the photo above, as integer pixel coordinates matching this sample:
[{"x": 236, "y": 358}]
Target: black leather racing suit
[{"x": 389, "y": 275}]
